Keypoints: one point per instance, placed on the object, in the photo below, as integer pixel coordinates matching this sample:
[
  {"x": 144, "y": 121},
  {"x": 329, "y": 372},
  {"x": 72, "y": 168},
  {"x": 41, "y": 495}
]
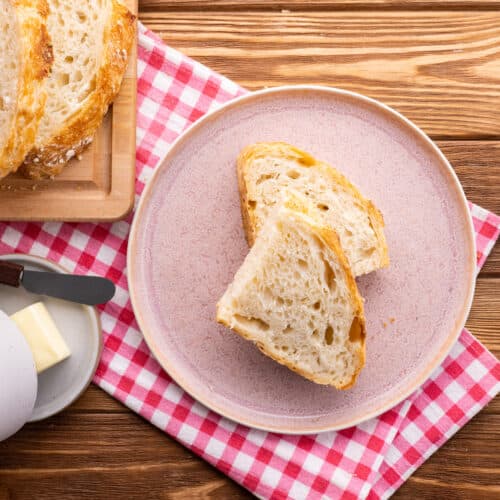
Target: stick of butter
[{"x": 41, "y": 333}]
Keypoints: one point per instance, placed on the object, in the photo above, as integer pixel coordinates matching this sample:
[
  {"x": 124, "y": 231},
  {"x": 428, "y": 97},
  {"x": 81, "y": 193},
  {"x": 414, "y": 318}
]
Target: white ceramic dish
[{"x": 62, "y": 384}]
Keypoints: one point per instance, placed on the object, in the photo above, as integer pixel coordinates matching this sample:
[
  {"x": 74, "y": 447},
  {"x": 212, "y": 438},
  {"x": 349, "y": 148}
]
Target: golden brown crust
[
  {"x": 35, "y": 62},
  {"x": 78, "y": 132},
  {"x": 329, "y": 238},
  {"x": 247, "y": 215},
  {"x": 374, "y": 214},
  {"x": 282, "y": 149},
  {"x": 377, "y": 223},
  {"x": 44, "y": 56}
]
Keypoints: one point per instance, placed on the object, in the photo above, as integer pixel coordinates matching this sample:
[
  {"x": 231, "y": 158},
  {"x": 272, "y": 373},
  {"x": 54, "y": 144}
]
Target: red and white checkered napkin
[{"x": 370, "y": 460}]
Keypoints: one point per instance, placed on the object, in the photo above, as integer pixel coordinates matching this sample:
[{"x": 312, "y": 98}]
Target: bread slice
[
  {"x": 91, "y": 40},
  {"x": 266, "y": 170},
  {"x": 25, "y": 58},
  {"x": 295, "y": 297}
]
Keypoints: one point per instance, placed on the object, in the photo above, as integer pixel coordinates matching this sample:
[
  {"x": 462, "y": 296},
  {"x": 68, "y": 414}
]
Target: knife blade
[{"x": 88, "y": 290}]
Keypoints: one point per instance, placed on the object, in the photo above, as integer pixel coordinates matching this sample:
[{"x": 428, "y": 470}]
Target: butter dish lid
[
  {"x": 79, "y": 325},
  {"x": 18, "y": 379}
]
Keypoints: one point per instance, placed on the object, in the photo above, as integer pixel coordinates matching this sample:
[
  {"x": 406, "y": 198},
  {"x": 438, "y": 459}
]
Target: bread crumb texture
[
  {"x": 268, "y": 170},
  {"x": 91, "y": 42},
  {"x": 296, "y": 299}
]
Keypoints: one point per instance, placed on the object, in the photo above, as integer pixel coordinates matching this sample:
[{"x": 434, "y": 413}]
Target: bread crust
[
  {"x": 77, "y": 133},
  {"x": 330, "y": 239},
  {"x": 36, "y": 61},
  {"x": 247, "y": 215},
  {"x": 282, "y": 149}
]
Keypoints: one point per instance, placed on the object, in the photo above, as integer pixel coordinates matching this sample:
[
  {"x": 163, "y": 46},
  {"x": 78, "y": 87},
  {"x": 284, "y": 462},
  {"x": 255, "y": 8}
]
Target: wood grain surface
[
  {"x": 302, "y": 5},
  {"x": 437, "y": 62},
  {"x": 438, "y": 68}
]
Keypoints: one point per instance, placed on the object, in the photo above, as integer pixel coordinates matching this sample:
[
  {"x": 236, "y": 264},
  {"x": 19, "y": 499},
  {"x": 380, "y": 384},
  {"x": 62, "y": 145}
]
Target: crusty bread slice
[
  {"x": 295, "y": 297},
  {"x": 25, "y": 59},
  {"x": 91, "y": 40},
  {"x": 266, "y": 170}
]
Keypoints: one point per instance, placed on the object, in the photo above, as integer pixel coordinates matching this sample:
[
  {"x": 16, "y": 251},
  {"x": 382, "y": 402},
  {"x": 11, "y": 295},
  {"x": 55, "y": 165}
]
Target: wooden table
[{"x": 439, "y": 64}]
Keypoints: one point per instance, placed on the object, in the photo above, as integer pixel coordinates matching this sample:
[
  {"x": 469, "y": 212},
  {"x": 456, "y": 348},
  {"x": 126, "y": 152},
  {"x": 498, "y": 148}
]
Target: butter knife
[{"x": 89, "y": 290}]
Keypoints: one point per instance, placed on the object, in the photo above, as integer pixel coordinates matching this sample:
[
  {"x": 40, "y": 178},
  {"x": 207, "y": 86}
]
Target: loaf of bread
[
  {"x": 267, "y": 170},
  {"x": 91, "y": 42},
  {"x": 25, "y": 59},
  {"x": 295, "y": 297}
]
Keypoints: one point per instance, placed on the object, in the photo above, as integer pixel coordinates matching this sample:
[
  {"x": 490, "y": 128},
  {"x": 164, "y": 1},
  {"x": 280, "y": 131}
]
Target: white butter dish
[{"x": 79, "y": 325}]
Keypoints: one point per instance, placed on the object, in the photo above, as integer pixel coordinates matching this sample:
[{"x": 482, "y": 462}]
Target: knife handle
[{"x": 11, "y": 273}]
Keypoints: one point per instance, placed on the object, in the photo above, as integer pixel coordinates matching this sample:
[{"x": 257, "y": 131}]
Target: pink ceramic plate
[{"x": 187, "y": 241}]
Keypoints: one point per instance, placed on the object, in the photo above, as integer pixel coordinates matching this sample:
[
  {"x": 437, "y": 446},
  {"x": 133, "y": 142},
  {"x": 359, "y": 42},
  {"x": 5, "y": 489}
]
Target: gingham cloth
[{"x": 368, "y": 461}]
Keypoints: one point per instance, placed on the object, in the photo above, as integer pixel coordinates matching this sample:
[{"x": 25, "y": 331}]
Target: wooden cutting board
[{"x": 97, "y": 187}]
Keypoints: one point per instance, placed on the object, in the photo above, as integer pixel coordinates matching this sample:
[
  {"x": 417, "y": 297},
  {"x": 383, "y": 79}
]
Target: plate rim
[
  {"x": 95, "y": 321},
  {"x": 403, "y": 393}
]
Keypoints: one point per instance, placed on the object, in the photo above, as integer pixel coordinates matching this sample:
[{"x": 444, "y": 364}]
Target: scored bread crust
[
  {"x": 35, "y": 60},
  {"x": 47, "y": 160},
  {"x": 289, "y": 152},
  {"x": 329, "y": 237}
]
